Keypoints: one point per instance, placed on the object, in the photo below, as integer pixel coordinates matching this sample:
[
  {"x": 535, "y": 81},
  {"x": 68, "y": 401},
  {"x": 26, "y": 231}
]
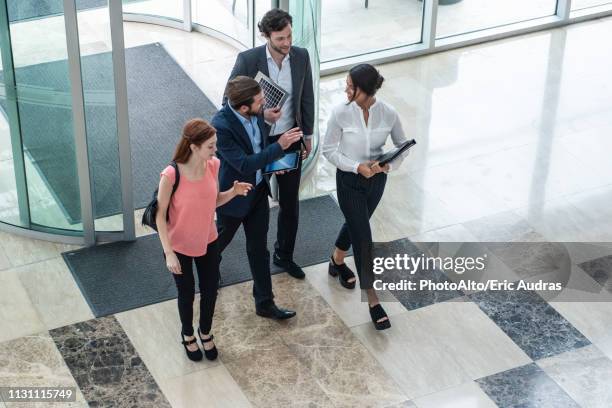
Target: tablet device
[
  {"x": 289, "y": 161},
  {"x": 274, "y": 94},
  {"x": 395, "y": 153}
]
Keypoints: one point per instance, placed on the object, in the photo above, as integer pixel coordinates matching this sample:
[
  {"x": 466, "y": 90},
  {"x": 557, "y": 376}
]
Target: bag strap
[{"x": 177, "y": 177}]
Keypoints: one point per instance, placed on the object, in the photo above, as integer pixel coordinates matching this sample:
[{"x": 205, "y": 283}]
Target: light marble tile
[
  {"x": 557, "y": 220},
  {"x": 54, "y": 293},
  {"x": 350, "y": 305},
  {"x": 238, "y": 331},
  {"x": 457, "y": 185},
  {"x": 417, "y": 372},
  {"x": 339, "y": 362},
  {"x": 404, "y": 404},
  {"x": 406, "y": 209},
  {"x": 315, "y": 345},
  {"x": 34, "y": 361},
  {"x": 592, "y": 204},
  {"x": 584, "y": 374},
  {"x": 452, "y": 233},
  {"x": 17, "y": 313},
  {"x": 213, "y": 386},
  {"x": 22, "y": 251},
  {"x": 284, "y": 381},
  {"x": 441, "y": 346},
  {"x": 468, "y": 395},
  {"x": 4, "y": 261},
  {"x": 589, "y": 312},
  {"x": 503, "y": 227},
  {"x": 155, "y": 333},
  {"x": 478, "y": 344}
]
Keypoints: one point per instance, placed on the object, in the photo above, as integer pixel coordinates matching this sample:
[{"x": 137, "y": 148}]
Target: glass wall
[
  {"x": 59, "y": 138},
  {"x": 306, "y": 19},
  {"x": 352, "y": 27},
  {"x": 172, "y": 9},
  {"x": 100, "y": 116},
  {"x": 582, "y": 4},
  {"x": 230, "y": 17},
  {"x": 235, "y": 18},
  {"x": 459, "y": 17},
  {"x": 44, "y": 102},
  {"x": 11, "y": 156}
]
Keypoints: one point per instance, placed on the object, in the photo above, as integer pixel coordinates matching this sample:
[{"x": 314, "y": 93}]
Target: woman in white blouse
[{"x": 356, "y": 134}]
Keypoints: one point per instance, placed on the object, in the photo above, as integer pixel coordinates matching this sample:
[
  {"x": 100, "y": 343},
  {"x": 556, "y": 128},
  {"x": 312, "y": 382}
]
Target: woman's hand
[
  {"x": 173, "y": 264},
  {"x": 365, "y": 170},
  {"x": 376, "y": 168},
  {"x": 242, "y": 189}
]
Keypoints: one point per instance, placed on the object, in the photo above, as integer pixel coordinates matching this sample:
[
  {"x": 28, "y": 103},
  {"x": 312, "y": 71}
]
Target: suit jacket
[
  {"x": 250, "y": 61},
  {"x": 238, "y": 160}
]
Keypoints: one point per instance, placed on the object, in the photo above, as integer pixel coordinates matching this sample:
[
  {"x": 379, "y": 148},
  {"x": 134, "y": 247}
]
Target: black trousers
[
  {"x": 207, "y": 267},
  {"x": 256, "y": 231},
  {"x": 289, "y": 207},
  {"x": 358, "y": 198}
]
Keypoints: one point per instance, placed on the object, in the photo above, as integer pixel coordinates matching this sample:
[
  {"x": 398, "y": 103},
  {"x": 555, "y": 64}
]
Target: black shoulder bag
[{"x": 148, "y": 217}]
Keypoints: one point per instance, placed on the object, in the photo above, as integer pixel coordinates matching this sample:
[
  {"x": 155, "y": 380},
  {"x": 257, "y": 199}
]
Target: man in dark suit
[
  {"x": 290, "y": 68},
  {"x": 244, "y": 150}
]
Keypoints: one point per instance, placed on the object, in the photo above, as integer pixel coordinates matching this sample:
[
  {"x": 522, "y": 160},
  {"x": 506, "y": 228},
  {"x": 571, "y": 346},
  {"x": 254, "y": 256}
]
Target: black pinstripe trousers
[{"x": 358, "y": 198}]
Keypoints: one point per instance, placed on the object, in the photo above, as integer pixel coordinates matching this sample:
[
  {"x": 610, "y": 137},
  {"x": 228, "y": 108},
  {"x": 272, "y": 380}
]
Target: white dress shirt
[
  {"x": 282, "y": 77},
  {"x": 349, "y": 141}
]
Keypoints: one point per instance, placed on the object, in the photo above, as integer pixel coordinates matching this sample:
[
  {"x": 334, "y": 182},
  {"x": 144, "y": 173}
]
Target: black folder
[{"x": 395, "y": 153}]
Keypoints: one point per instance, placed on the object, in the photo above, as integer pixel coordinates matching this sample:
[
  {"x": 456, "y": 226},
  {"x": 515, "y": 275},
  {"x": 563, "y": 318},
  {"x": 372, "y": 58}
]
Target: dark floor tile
[
  {"x": 416, "y": 298},
  {"x": 530, "y": 322},
  {"x": 600, "y": 269},
  {"x": 525, "y": 387},
  {"x": 106, "y": 366}
]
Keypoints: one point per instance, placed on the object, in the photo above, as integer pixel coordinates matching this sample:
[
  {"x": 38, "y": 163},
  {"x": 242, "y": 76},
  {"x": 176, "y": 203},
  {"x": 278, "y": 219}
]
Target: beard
[
  {"x": 278, "y": 49},
  {"x": 253, "y": 112}
]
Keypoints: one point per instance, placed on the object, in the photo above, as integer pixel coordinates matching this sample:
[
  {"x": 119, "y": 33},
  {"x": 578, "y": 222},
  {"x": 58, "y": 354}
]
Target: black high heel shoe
[
  {"x": 192, "y": 355},
  {"x": 376, "y": 313},
  {"x": 212, "y": 353},
  {"x": 343, "y": 272}
]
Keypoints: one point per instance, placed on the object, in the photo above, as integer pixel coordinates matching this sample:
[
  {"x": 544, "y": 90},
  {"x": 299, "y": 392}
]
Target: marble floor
[{"x": 513, "y": 149}]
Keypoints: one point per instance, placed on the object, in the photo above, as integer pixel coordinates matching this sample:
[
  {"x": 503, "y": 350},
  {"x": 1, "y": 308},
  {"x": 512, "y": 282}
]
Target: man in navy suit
[
  {"x": 244, "y": 150},
  {"x": 289, "y": 67}
]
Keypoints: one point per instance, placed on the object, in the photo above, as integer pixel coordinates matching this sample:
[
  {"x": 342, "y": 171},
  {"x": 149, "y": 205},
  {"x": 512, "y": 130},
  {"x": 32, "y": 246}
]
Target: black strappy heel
[
  {"x": 192, "y": 355},
  {"x": 212, "y": 353},
  {"x": 376, "y": 313},
  {"x": 343, "y": 272}
]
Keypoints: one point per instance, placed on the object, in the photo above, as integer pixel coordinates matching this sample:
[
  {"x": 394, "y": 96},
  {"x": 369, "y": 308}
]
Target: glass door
[{"x": 64, "y": 144}]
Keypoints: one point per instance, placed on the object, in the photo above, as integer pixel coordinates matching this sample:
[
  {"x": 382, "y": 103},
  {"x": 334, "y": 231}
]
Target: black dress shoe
[
  {"x": 192, "y": 355},
  {"x": 274, "y": 312},
  {"x": 291, "y": 267}
]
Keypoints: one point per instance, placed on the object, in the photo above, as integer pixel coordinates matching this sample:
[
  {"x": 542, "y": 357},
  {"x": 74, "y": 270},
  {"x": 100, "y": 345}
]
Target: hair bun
[{"x": 379, "y": 81}]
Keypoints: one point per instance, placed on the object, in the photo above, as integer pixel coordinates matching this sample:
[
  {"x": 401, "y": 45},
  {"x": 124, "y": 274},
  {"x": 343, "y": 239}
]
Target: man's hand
[
  {"x": 308, "y": 149},
  {"x": 271, "y": 115},
  {"x": 290, "y": 137}
]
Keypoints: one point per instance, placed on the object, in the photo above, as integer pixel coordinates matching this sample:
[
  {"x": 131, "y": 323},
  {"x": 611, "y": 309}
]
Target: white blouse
[{"x": 349, "y": 142}]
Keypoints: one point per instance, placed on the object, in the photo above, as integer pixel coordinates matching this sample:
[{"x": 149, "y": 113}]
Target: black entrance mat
[
  {"x": 126, "y": 275},
  {"x": 161, "y": 98}
]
